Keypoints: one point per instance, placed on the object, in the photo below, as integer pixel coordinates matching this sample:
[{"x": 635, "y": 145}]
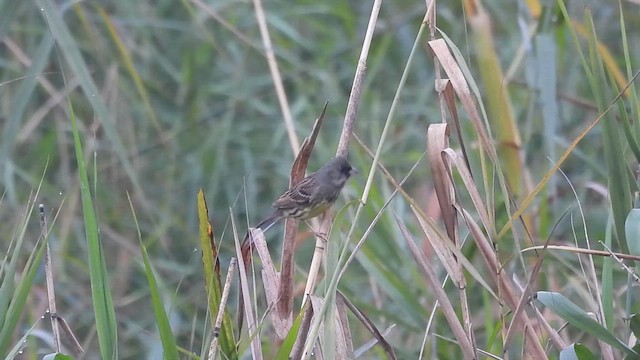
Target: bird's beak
[{"x": 353, "y": 171}]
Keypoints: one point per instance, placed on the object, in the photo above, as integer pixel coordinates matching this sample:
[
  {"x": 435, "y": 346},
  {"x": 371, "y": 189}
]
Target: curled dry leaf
[{"x": 437, "y": 141}]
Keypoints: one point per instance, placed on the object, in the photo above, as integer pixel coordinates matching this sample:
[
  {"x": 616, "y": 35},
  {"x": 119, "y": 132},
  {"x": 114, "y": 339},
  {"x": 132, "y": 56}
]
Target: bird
[{"x": 307, "y": 199}]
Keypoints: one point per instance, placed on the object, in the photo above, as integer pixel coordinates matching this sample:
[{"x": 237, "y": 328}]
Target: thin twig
[
  {"x": 223, "y": 303},
  {"x": 51, "y": 293},
  {"x": 578, "y": 250},
  {"x": 347, "y": 130},
  {"x": 622, "y": 264},
  {"x": 356, "y": 87},
  {"x": 314, "y": 268},
  {"x": 256, "y": 346},
  {"x": 277, "y": 79}
]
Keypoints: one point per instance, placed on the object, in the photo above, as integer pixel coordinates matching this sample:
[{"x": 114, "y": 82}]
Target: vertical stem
[{"x": 51, "y": 295}]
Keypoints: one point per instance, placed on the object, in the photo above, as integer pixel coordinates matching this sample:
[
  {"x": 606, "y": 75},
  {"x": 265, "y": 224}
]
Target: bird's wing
[{"x": 301, "y": 193}]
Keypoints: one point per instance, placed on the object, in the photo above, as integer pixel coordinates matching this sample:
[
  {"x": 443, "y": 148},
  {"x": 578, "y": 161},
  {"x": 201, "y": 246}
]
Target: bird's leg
[{"x": 322, "y": 234}]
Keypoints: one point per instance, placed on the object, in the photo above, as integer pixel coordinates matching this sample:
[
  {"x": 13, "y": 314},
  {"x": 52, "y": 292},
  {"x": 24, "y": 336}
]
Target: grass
[{"x": 158, "y": 132}]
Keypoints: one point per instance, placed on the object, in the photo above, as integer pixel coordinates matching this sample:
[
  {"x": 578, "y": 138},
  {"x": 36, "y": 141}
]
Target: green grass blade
[
  {"x": 12, "y": 297},
  {"x": 70, "y": 50},
  {"x": 284, "y": 352},
  {"x": 619, "y": 190},
  {"x": 169, "y": 347},
  {"x": 20, "y": 344},
  {"x": 19, "y": 298},
  {"x": 100, "y": 291},
  {"x": 101, "y": 294},
  {"x": 212, "y": 278},
  {"x": 164, "y": 328}
]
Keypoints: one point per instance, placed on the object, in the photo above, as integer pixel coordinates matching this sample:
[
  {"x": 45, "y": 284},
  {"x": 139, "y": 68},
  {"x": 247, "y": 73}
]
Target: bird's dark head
[
  {"x": 340, "y": 170},
  {"x": 344, "y": 166}
]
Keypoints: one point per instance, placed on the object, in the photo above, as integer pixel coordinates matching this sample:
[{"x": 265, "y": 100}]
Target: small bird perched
[{"x": 307, "y": 199}]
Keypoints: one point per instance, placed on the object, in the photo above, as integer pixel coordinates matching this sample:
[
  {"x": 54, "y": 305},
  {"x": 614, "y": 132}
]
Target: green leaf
[
  {"x": 632, "y": 231},
  {"x": 577, "y": 352},
  {"x": 57, "y": 356},
  {"x": 577, "y": 317}
]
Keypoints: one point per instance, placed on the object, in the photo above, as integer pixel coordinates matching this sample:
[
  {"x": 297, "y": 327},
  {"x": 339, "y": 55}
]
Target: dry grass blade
[
  {"x": 452, "y": 69},
  {"x": 472, "y": 190},
  {"x": 343, "y": 344},
  {"x": 446, "y": 93},
  {"x": 357, "y": 353},
  {"x": 303, "y": 331},
  {"x": 58, "y": 323},
  {"x": 438, "y": 140},
  {"x": 244, "y": 307},
  {"x": 431, "y": 231},
  {"x": 438, "y": 243},
  {"x": 525, "y": 297},
  {"x": 341, "y": 299},
  {"x": 268, "y": 268},
  {"x": 453, "y": 66},
  {"x": 284, "y": 306},
  {"x": 509, "y": 297},
  {"x": 66, "y": 329},
  {"x": 582, "y": 251},
  {"x": 434, "y": 285},
  {"x": 554, "y": 336},
  {"x": 271, "y": 281},
  {"x": 426, "y": 222},
  {"x": 343, "y": 333},
  {"x": 300, "y": 164}
]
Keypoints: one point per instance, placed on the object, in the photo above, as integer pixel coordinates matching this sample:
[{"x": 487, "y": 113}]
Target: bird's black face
[
  {"x": 347, "y": 170},
  {"x": 343, "y": 170}
]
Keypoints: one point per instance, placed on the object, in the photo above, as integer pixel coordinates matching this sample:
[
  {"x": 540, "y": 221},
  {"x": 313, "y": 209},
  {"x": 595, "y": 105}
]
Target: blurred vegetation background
[{"x": 183, "y": 100}]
